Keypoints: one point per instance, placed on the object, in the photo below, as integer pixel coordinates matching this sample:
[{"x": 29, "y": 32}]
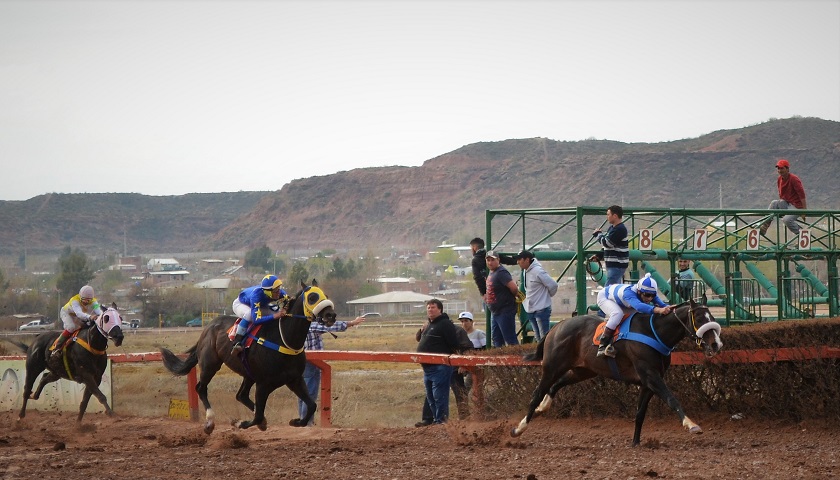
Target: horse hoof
[
  {"x": 695, "y": 429},
  {"x": 209, "y": 427},
  {"x": 263, "y": 426},
  {"x": 514, "y": 433}
]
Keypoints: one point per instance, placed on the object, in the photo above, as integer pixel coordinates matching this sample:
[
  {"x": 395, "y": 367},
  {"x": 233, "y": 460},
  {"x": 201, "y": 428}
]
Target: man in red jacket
[{"x": 791, "y": 197}]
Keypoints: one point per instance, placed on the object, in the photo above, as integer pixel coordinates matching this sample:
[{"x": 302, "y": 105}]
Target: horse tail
[
  {"x": 538, "y": 353},
  {"x": 22, "y": 346},
  {"x": 178, "y": 366}
]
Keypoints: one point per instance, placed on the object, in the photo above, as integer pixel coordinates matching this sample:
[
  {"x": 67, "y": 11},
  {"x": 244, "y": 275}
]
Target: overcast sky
[{"x": 175, "y": 97}]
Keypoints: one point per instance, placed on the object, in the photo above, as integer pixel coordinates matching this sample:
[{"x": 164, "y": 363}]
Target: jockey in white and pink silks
[
  {"x": 620, "y": 299},
  {"x": 81, "y": 308}
]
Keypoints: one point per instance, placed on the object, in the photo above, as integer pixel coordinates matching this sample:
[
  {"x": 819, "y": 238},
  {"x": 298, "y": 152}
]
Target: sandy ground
[{"x": 50, "y": 445}]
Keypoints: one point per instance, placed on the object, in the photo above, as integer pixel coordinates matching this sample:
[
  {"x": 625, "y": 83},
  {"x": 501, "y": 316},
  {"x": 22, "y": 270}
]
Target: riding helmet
[
  {"x": 86, "y": 292},
  {"x": 270, "y": 282},
  {"x": 647, "y": 285}
]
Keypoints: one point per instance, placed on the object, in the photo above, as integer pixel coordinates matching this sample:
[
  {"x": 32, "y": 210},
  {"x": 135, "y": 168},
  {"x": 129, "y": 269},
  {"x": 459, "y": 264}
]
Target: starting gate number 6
[
  {"x": 700, "y": 239},
  {"x": 752, "y": 239}
]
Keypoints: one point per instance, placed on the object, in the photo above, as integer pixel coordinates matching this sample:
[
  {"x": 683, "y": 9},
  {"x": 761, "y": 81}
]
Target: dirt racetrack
[{"x": 49, "y": 445}]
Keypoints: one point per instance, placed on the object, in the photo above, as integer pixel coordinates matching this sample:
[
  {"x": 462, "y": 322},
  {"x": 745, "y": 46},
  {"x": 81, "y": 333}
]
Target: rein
[{"x": 692, "y": 331}]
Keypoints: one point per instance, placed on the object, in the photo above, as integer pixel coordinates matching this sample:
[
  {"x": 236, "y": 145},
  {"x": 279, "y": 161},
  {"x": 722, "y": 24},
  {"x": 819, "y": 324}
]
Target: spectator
[
  {"x": 80, "y": 309},
  {"x": 437, "y": 336},
  {"x": 684, "y": 279},
  {"x": 616, "y": 252},
  {"x": 539, "y": 288},
  {"x": 501, "y": 299},
  {"x": 311, "y": 373},
  {"x": 477, "y": 337},
  {"x": 791, "y": 197},
  {"x": 458, "y": 382},
  {"x": 479, "y": 265},
  {"x": 617, "y": 300}
]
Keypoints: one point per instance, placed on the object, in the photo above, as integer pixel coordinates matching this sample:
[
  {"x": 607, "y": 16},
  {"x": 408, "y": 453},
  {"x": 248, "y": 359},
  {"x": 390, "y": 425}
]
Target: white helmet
[
  {"x": 86, "y": 292},
  {"x": 647, "y": 285}
]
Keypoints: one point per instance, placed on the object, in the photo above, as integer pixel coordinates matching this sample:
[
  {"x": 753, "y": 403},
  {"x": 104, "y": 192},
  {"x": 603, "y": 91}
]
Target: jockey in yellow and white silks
[
  {"x": 79, "y": 309},
  {"x": 619, "y": 299}
]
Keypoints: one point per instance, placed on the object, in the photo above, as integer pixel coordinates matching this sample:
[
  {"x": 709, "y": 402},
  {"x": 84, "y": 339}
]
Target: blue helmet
[
  {"x": 647, "y": 285},
  {"x": 270, "y": 282}
]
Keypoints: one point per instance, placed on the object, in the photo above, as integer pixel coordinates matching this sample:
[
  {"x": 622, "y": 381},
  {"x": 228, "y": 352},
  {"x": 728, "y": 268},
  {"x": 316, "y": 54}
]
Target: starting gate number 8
[{"x": 645, "y": 239}]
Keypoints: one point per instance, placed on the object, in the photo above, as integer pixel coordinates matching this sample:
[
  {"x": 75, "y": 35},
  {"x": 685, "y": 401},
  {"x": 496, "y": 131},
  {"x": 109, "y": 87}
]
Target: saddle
[
  {"x": 249, "y": 335},
  {"x": 599, "y": 330}
]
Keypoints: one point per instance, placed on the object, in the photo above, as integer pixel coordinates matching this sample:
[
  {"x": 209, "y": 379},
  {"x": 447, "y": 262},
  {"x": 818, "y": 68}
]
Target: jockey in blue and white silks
[
  {"x": 617, "y": 300},
  {"x": 250, "y": 303}
]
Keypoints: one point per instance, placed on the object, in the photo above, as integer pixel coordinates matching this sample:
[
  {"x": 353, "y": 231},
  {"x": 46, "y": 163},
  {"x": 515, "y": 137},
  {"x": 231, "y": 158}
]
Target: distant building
[{"x": 395, "y": 304}]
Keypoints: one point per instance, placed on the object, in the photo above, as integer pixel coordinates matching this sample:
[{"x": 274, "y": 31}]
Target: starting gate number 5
[
  {"x": 700, "y": 237},
  {"x": 645, "y": 239},
  {"x": 804, "y": 239}
]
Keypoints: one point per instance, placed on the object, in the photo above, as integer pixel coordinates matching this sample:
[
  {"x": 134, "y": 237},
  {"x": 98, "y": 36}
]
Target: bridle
[{"x": 694, "y": 332}]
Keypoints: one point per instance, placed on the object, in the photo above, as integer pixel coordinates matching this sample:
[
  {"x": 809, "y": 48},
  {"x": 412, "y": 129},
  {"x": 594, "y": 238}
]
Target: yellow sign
[{"x": 179, "y": 409}]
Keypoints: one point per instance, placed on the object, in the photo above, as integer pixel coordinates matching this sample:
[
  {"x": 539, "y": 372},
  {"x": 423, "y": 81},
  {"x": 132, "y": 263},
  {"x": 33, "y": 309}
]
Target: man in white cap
[
  {"x": 791, "y": 197},
  {"x": 616, "y": 300}
]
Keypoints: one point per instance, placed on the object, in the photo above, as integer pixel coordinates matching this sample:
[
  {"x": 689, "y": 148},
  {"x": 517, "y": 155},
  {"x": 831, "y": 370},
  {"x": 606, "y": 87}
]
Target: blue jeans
[
  {"x": 312, "y": 377},
  {"x": 503, "y": 329},
  {"x": 539, "y": 322},
  {"x": 436, "y": 378},
  {"x": 614, "y": 275}
]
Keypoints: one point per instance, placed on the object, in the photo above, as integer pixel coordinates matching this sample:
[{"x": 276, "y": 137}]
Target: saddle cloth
[
  {"x": 599, "y": 330},
  {"x": 249, "y": 339}
]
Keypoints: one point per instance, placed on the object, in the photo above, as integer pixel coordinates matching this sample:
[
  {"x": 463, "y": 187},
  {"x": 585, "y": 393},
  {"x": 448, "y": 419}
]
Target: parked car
[
  {"x": 36, "y": 325},
  {"x": 195, "y": 322}
]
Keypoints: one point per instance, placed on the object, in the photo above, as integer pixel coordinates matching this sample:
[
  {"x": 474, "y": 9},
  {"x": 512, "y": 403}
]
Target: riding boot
[
  {"x": 606, "y": 348},
  {"x": 237, "y": 344},
  {"x": 58, "y": 345}
]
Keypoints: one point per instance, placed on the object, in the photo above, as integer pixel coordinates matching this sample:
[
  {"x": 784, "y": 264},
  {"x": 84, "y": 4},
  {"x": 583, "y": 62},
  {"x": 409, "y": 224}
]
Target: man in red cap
[{"x": 791, "y": 197}]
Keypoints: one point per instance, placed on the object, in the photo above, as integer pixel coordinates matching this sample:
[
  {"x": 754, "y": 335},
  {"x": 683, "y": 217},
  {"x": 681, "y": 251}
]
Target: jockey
[
  {"x": 619, "y": 299},
  {"x": 249, "y": 303},
  {"x": 81, "y": 308}
]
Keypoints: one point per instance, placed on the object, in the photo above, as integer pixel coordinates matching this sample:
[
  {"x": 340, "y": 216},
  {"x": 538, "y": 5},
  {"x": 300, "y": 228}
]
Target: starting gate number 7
[{"x": 700, "y": 237}]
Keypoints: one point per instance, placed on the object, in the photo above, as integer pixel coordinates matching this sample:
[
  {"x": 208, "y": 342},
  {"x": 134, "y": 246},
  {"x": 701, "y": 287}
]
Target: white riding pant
[
  {"x": 612, "y": 310},
  {"x": 71, "y": 323},
  {"x": 242, "y": 311}
]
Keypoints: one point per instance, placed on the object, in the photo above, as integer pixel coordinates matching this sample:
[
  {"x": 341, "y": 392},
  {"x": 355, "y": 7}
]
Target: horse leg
[
  {"x": 208, "y": 370},
  {"x": 645, "y": 394},
  {"x": 243, "y": 395},
  {"x": 545, "y": 392},
  {"x": 261, "y": 397},
  {"x": 657, "y": 385},
  {"x": 298, "y": 387},
  {"x": 92, "y": 388},
  {"x": 32, "y": 373},
  {"x": 48, "y": 378}
]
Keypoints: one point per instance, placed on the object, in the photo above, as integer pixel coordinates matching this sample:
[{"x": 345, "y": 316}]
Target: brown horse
[
  {"x": 276, "y": 357},
  {"x": 568, "y": 357},
  {"x": 84, "y": 360}
]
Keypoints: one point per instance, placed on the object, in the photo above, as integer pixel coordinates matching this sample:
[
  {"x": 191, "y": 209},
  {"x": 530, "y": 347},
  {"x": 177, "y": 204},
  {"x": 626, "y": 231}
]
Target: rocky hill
[{"x": 445, "y": 198}]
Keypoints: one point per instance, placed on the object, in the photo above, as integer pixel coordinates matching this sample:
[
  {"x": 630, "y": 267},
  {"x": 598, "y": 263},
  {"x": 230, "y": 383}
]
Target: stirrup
[
  {"x": 609, "y": 351},
  {"x": 237, "y": 348}
]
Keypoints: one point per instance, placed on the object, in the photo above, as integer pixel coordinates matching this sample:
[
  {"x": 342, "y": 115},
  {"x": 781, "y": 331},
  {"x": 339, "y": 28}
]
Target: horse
[
  {"x": 275, "y": 358},
  {"x": 83, "y": 360},
  {"x": 568, "y": 355}
]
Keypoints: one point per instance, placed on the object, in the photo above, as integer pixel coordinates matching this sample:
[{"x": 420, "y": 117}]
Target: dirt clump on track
[{"x": 51, "y": 445}]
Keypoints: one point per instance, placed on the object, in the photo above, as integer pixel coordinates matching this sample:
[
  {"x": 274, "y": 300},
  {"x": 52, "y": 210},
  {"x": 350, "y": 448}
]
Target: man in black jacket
[
  {"x": 479, "y": 264},
  {"x": 437, "y": 336}
]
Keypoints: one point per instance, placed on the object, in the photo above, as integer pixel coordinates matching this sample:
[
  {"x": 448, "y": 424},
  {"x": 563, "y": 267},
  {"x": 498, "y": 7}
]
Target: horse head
[
  {"x": 316, "y": 305},
  {"x": 110, "y": 324},
  {"x": 706, "y": 329}
]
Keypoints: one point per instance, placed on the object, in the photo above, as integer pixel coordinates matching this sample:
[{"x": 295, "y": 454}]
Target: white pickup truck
[{"x": 37, "y": 325}]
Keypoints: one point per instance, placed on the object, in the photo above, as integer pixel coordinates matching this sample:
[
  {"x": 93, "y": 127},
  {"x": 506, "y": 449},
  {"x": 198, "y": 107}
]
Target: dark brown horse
[
  {"x": 568, "y": 357},
  {"x": 84, "y": 360},
  {"x": 276, "y": 357}
]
